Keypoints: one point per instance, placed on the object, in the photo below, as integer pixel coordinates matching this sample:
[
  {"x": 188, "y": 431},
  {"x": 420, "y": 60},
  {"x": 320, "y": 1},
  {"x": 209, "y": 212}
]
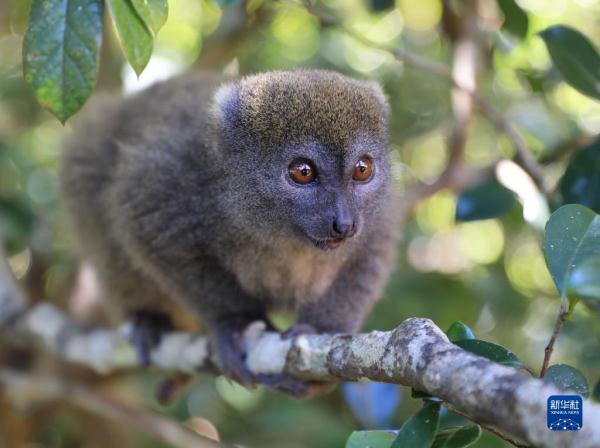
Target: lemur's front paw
[
  {"x": 227, "y": 342},
  {"x": 291, "y": 385},
  {"x": 147, "y": 328}
]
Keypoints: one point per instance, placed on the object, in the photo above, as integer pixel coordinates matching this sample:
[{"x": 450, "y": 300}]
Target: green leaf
[
  {"x": 596, "y": 392},
  {"x": 16, "y": 222},
  {"x": 420, "y": 430},
  {"x": 417, "y": 394},
  {"x": 568, "y": 378},
  {"x": 485, "y": 201},
  {"x": 382, "y": 5},
  {"x": 581, "y": 182},
  {"x": 135, "y": 38},
  {"x": 153, "y": 12},
  {"x": 584, "y": 281},
  {"x": 538, "y": 81},
  {"x": 459, "y": 331},
  {"x": 61, "y": 50},
  {"x": 457, "y": 437},
  {"x": 575, "y": 58},
  {"x": 371, "y": 439},
  {"x": 572, "y": 235},
  {"x": 427, "y": 398},
  {"x": 515, "y": 19},
  {"x": 490, "y": 351}
]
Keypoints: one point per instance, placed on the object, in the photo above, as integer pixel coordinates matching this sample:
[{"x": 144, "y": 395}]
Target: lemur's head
[{"x": 310, "y": 152}]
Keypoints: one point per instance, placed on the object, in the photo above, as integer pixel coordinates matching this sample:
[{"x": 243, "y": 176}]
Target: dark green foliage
[
  {"x": 152, "y": 12},
  {"x": 490, "y": 351},
  {"x": 539, "y": 81},
  {"x": 382, "y": 5},
  {"x": 596, "y": 392},
  {"x": 484, "y": 201},
  {"x": 584, "y": 282},
  {"x": 417, "y": 394},
  {"x": 453, "y": 437},
  {"x": 457, "y": 437},
  {"x": 61, "y": 51},
  {"x": 16, "y": 222},
  {"x": 515, "y": 19},
  {"x": 61, "y": 48},
  {"x": 134, "y": 35},
  {"x": 370, "y": 439},
  {"x": 575, "y": 57},
  {"x": 581, "y": 182},
  {"x": 459, "y": 331},
  {"x": 420, "y": 430},
  {"x": 572, "y": 235},
  {"x": 568, "y": 378}
]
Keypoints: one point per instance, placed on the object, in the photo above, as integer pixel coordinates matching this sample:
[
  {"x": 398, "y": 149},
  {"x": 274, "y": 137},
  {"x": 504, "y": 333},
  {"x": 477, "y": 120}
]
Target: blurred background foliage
[{"x": 489, "y": 274}]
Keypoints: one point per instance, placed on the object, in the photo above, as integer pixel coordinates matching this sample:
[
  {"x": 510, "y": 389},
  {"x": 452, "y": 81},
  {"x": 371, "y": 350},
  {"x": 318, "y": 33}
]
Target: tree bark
[{"x": 416, "y": 354}]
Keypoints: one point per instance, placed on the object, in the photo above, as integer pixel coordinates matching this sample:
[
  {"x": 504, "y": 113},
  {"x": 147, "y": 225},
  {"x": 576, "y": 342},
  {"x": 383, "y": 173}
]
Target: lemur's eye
[
  {"x": 363, "y": 169},
  {"x": 302, "y": 171}
]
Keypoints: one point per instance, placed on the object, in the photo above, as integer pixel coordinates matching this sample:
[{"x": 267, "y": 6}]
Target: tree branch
[
  {"x": 416, "y": 354},
  {"x": 563, "y": 314}
]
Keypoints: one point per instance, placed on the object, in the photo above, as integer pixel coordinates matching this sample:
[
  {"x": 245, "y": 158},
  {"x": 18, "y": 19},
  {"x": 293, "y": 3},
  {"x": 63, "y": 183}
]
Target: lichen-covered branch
[{"x": 416, "y": 354}]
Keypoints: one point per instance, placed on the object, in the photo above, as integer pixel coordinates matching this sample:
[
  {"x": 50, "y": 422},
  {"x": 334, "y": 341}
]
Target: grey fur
[{"x": 180, "y": 195}]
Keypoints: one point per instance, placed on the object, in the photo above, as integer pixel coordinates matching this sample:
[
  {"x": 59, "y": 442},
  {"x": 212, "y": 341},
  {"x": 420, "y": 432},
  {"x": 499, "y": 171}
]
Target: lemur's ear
[{"x": 226, "y": 104}]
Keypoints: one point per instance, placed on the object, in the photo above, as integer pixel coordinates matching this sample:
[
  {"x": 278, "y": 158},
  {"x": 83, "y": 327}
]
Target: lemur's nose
[{"x": 343, "y": 227}]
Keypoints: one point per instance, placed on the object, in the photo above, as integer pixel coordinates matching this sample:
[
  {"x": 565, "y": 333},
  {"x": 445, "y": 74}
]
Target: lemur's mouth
[
  {"x": 329, "y": 243},
  {"x": 332, "y": 243}
]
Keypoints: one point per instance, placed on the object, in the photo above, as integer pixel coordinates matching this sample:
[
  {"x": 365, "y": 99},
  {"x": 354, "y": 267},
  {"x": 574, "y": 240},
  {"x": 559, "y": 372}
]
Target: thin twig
[
  {"x": 454, "y": 177},
  {"x": 568, "y": 147},
  {"x": 563, "y": 314},
  {"x": 457, "y": 175},
  {"x": 487, "y": 427},
  {"x": 523, "y": 156},
  {"x": 465, "y": 67},
  {"x": 21, "y": 384}
]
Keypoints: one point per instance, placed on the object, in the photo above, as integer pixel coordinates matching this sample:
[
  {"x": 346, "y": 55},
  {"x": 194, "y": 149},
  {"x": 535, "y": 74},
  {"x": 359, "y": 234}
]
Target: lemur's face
[
  {"x": 322, "y": 197},
  {"x": 311, "y": 153}
]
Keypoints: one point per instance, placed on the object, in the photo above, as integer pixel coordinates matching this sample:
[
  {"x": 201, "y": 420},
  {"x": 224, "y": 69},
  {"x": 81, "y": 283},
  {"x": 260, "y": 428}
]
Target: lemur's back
[{"x": 92, "y": 158}]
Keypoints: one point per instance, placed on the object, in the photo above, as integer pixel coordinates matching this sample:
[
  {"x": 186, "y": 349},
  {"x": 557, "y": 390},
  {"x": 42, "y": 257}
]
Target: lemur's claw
[
  {"x": 297, "y": 330},
  {"x": 227, "y": 341},
  {"x": 146, "y": 333}
]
